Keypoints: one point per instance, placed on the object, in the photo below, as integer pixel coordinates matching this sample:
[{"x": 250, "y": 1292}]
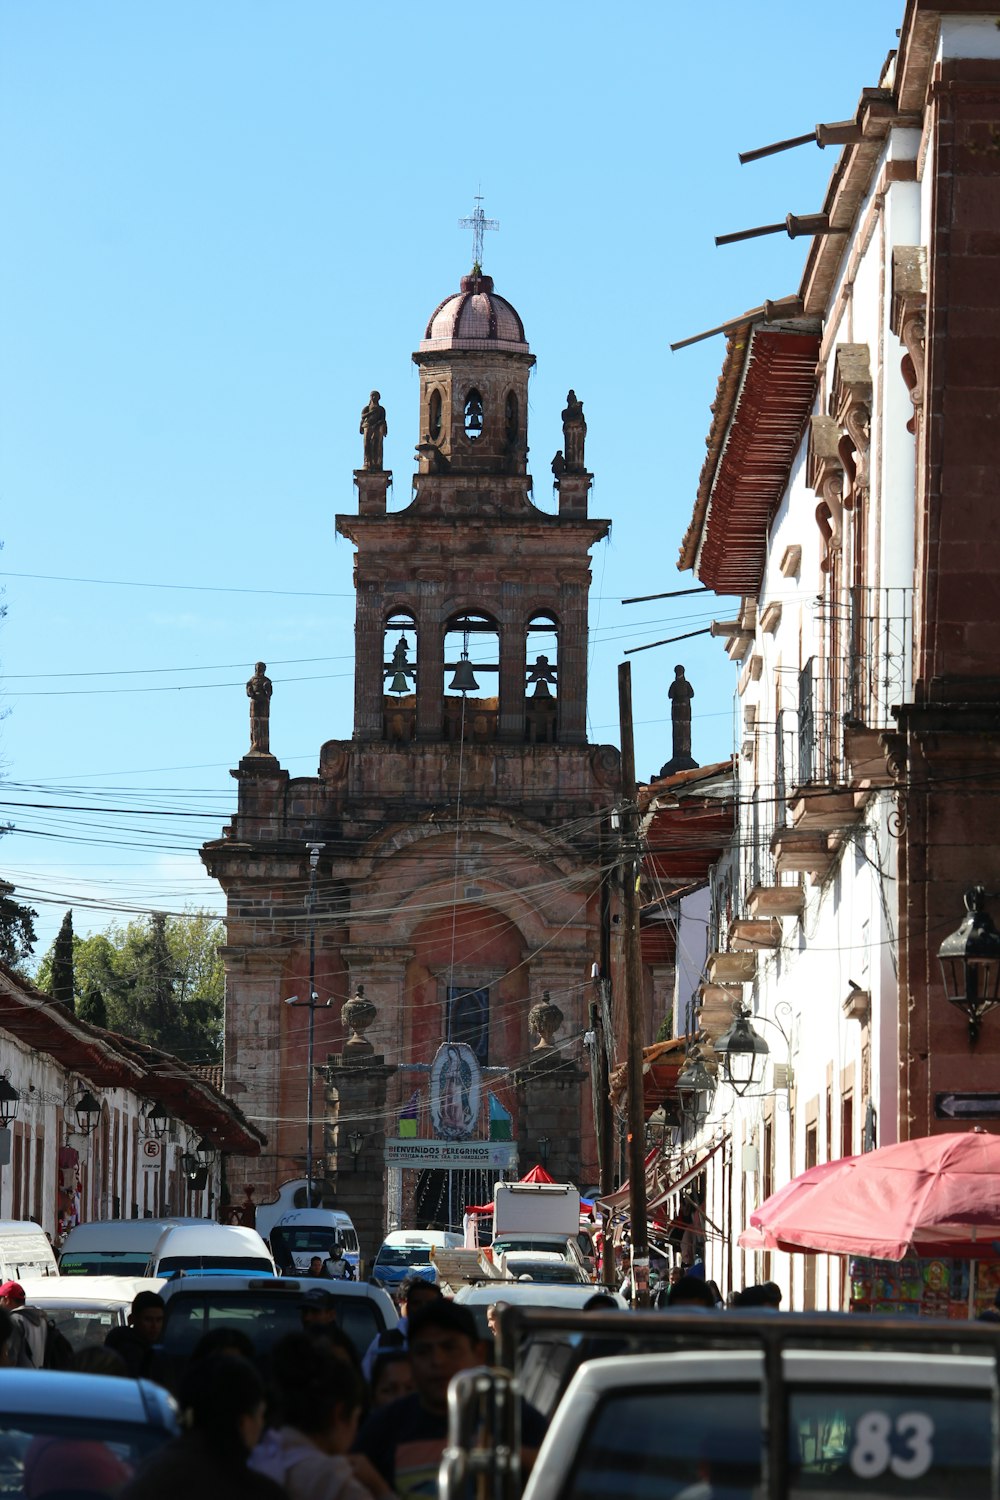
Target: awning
[
  {"x": 659, "y": 1186},
  {"x": 681, "y": 1181}
]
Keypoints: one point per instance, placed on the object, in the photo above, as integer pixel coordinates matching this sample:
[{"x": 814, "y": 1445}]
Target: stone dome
[{"x": 475, "y": 318}]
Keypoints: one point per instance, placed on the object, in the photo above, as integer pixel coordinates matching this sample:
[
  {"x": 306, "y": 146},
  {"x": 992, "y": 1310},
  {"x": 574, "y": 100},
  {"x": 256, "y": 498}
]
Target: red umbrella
[{"x": 938, "y": 1195}]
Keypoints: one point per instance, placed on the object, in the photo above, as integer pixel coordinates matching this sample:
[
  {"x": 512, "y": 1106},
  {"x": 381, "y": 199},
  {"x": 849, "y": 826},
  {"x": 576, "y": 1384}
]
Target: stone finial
[
  {"x": 544, "y": 1019},
  {"x": 358, "y": 1014}
]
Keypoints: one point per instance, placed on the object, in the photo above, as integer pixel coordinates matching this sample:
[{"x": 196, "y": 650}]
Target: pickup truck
[{"x": 647, "y": 1406}]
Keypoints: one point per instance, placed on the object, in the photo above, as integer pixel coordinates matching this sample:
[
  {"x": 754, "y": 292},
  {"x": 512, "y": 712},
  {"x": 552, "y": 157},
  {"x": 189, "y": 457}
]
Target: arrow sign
[{"x": 967, "y": 1106}]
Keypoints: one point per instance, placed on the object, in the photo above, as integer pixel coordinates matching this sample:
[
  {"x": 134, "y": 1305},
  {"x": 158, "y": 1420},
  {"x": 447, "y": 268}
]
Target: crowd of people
[{"x": 326, "y": 1423}]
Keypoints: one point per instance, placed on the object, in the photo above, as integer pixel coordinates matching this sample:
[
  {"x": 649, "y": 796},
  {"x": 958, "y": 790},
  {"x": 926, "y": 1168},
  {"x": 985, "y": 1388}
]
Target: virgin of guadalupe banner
[{"x": 456, "y": 1087}]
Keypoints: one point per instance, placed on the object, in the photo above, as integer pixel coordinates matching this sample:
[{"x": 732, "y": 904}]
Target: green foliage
[
  {"x": 62, "y": 964},
  {"x": 159, "y": 979},
  {"x": 92, "y": 1009},
  {"x": 665, "y": 1030},
  {"x": 17, "y": 928}
]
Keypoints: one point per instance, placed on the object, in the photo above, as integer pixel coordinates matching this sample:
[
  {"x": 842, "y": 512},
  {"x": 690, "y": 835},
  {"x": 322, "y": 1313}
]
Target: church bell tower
[{"x": 472, "y": 601}]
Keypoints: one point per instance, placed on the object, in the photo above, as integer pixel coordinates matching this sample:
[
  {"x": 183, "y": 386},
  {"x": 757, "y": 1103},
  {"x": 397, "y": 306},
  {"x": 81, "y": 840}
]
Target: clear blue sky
[{"x": 226, "y": 222}]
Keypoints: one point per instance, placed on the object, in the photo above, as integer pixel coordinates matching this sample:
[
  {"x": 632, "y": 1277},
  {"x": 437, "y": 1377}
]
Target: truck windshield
[
  {"x": 403, "y": 1255},
  {"x": 673, "y": 1442}
]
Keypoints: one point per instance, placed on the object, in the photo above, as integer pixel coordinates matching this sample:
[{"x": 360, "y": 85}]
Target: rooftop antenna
[{"x": 478, "y": 223}]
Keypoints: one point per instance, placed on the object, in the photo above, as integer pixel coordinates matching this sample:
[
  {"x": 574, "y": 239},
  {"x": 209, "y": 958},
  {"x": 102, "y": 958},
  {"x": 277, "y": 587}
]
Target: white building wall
[{"x": 801, "y": 999}]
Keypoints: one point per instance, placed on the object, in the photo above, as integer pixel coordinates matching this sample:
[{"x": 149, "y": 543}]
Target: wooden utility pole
[{"x": 633, "y": 995}]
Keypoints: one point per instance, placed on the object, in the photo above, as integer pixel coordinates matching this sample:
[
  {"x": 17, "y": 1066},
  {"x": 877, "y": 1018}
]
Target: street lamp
[
  {"x": 744, "y": 1052},
  {"x": 157, "y": 1120},
  {"x": 544, "y": 1147},
  {"x": 88, "y": 1111},
  {"x": 970, "y": 962},
  {"x": 356, "y": 1142},
  {"x": 695, "y": 1087},
  {"x": 9, "y": 1100}
]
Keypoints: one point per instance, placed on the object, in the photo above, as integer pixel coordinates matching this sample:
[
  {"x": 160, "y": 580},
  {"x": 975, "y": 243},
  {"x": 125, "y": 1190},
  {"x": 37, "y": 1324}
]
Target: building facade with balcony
[{"x": 848, "y": 501}]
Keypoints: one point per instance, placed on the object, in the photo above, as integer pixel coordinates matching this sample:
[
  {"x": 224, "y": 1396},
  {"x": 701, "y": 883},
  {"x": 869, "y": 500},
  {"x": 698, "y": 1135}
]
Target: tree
[
  {"x": 17, "y": 927},
  {"x": 159, "y": 979},
  {"x": 62, "y": 964}
]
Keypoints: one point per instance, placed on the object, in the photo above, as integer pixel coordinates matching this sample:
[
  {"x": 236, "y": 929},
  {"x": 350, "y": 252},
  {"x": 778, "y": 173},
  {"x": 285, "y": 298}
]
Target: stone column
[
  {"x": 369, "y": 660},
  {"x": 430, "y": 672},
  {"x": 549, "y": 1102},
  {"x": 356, "y": 1088},
  {"x": 573, "y": 662},
  {"x": 511, "y": 666}
]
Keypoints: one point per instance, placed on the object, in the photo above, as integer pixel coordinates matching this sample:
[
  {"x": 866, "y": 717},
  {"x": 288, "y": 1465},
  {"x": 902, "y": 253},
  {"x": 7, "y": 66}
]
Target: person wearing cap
[{"x": 31, "y": 1327}]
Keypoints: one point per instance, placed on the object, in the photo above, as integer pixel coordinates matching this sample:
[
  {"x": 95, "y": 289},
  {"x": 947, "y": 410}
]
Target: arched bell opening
[
  {"x": 474, "y": 417},
  {"x": 471, "y": 676},
  {"x": 541, "y": 679},
  {"x": 434, "y": 416},
  {"x": 399, "y": 676}
]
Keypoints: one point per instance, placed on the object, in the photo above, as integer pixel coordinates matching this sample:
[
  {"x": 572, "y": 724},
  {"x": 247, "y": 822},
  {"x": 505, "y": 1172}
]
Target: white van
[
  {"x": 25, "y": 1250},
  {"x": 407, "y": 1252},
  {"x": 115, "y": 1247},
  {"x": 212, "y": 1248},
  {"x": 305, "y": 1232}
]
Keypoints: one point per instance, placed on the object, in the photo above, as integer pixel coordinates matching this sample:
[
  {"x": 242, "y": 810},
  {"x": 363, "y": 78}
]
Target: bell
[
  {"x": 464, "y": 680},
  {"x": 399, "y": 684},
  {"x": 541, "y": 689}
]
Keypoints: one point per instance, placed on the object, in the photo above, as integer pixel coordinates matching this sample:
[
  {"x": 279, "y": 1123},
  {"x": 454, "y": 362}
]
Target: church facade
[{"x": 442, "y": 883}]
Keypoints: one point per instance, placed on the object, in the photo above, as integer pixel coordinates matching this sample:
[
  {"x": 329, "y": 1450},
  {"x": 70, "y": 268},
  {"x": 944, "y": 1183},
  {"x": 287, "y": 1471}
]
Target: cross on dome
[{"x": 478, "y": 223}]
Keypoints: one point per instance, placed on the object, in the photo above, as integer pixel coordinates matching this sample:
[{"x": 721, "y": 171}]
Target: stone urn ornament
[
  {"x": 358, "y": 1014},
  {"x": 544, "y": 1019}
]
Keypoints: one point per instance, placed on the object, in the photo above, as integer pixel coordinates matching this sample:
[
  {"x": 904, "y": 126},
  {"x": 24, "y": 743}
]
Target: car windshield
[
  {"x": 82, "y": 1325},
  {"x": 555, "y": 1272},
  {"x": 900, "y": 1442},
  {"x": 235, "y": 1263},
  {"x": 52, "y": 1455},
  {"x": 104, "y": 1263},
  {"x": 309, "y": 1239},
  {"x": 665, "y": 1443},
  {"x": 511, "y": 1242},
  {"x": 263, "y": 1318},
  {"x": 403, "y": 1255}
]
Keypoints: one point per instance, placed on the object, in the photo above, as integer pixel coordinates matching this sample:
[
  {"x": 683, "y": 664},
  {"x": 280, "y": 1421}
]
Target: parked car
[
  {"x": 86, "y": 1308},
  {"x": 222, "y": 1248},
  {"x": 77, "y": 1435},
  {"x": 25, "y": 1251},
  {"x": 265, "y": 1308},
  {"x": 540, "y": 1265},
  {"x": 115, "y": 1247},
  {"x": 407, "y": 1252},
  {"x": 528, "y": 1294}
]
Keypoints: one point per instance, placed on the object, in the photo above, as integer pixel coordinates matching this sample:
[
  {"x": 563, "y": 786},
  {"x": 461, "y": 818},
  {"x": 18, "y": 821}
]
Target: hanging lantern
[
  {"x": 970, "y": 962},
  {"x": 744, "y": 1053}
]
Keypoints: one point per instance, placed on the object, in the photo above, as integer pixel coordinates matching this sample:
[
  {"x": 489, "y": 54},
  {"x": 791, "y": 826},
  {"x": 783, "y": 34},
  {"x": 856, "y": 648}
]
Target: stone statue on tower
[
  {"x": 680, "y": 694},
  {"x": 373, "y": 429},
  {"x": 259, "y": 692},
  {"x": 574, "y": 434}
]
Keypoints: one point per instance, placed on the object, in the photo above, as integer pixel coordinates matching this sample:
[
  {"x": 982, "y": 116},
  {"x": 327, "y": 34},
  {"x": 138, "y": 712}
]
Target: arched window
[
  {"x": 541, "y": 678},
  {"x": 434, "y": 416},
  {"x": 510, "y": 418},
  {"x": 473, "y": 416},
  {"x": 399, "y": 675},
  {"x": 471, "y": 676}
]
